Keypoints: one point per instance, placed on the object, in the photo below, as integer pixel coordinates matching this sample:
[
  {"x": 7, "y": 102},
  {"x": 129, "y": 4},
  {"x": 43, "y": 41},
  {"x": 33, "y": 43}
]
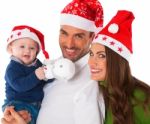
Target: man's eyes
[{"x": 79, "y": 36}]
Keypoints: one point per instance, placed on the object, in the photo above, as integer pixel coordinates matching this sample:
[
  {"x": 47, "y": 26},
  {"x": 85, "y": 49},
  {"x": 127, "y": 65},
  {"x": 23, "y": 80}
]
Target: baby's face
[{"x": 25, "y": 49}]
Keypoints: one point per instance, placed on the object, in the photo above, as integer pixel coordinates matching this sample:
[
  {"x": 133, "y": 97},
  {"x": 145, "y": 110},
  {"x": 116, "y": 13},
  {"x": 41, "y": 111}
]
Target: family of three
[{"x": 103, "y": 89}]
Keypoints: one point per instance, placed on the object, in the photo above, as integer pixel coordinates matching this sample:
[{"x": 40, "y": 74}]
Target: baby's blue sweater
[{"x": 22, "y": 83}]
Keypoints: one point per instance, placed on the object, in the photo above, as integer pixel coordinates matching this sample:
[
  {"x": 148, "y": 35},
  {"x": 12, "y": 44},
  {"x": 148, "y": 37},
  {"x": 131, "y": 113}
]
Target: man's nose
[{"x": 70, "y": 42}]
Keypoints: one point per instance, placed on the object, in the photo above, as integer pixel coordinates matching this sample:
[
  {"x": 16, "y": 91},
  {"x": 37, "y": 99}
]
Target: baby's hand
[{"x": 40, "y": 73}]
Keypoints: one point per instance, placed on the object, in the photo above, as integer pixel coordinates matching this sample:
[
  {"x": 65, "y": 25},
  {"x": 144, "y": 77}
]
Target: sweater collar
[{"x": 19, "y": 61}]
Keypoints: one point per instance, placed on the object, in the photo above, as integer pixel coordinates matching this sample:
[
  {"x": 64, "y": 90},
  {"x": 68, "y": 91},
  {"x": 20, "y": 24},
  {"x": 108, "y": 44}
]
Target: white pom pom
[
  {"x": 64, "y": 69},
  {"x": 113, "y": 28}
]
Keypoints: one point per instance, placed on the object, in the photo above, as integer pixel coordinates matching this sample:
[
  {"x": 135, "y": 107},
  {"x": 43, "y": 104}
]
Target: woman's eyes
[
  {"x": 90, "y": 53},
  {"x": 101, "y": 55}
]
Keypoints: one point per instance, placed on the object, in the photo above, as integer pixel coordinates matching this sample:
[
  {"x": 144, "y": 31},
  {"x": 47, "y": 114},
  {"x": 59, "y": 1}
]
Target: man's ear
[{"x": 92, "y": 37}]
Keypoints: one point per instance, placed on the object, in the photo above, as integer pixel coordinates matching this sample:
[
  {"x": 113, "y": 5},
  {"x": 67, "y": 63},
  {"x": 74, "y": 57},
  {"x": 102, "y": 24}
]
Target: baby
[{"x": 25, "y": 74}]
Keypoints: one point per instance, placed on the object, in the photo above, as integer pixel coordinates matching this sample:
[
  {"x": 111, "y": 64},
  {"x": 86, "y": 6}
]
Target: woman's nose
[{"x": 92, "y": 61}]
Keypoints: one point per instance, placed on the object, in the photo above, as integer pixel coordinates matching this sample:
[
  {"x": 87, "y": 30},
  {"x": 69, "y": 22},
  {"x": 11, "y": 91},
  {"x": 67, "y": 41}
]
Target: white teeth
[
  {"x": 95, "y": 70},
  {"x": 70, "y": 50}
]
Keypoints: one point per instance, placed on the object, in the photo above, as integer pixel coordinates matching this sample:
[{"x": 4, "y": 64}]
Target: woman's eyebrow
[{"x": 100, "y": 52}]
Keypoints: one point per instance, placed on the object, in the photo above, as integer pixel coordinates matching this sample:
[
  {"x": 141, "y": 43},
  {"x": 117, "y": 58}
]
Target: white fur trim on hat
[
  {"x": 79, "y": 22},
  {"x": 113, "y": 44},
  {"x": 23, "y": 33}
]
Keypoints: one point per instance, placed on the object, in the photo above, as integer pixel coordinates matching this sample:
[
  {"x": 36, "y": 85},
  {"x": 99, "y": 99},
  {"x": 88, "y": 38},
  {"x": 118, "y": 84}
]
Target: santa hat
[
  {"x": 83, "y": 14},
  {"x": 24, "y": 31},
  {"x": 117, "y": 34}
]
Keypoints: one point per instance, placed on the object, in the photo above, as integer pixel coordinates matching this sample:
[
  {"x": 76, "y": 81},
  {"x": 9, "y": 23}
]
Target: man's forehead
[{"x": 73, "y": 29}]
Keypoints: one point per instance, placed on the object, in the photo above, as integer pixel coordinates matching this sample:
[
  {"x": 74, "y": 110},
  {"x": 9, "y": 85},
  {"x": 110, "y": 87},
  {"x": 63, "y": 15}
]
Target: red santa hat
[
  {"x": 83, "y": 14},
  {"x": 117, "y": 34},
  {"x": 24, "y": 31}
]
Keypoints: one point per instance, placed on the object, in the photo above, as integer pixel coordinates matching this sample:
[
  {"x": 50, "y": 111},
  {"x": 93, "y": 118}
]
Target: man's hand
[
  {"x": 13, "y": 117},
  {"x": 25, "y": 115}
]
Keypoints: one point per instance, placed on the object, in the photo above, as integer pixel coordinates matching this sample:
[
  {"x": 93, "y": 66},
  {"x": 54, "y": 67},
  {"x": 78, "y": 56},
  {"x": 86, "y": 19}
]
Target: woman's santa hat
[
  {"x": 117, "y": 34},
  {"x": 83, "y": 14},
  {"x": 24, "y": 31}
]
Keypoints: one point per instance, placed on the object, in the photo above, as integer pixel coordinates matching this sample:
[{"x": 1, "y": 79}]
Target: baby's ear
[
  {"x": 37, "y": 53},
  {"x": 9, "y": 49},
  {"x": 38, "y": 49}
]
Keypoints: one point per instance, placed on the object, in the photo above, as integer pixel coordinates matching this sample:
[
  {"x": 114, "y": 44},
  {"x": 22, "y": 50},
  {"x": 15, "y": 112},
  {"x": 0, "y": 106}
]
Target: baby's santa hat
[
  {"x": 83, "y": 14},
  {"x": 117, "y": 34},
  {"x": 24, "y": 31}
]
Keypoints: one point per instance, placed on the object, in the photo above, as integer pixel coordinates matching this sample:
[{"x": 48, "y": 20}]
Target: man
[{"x": 75, "y": 101}]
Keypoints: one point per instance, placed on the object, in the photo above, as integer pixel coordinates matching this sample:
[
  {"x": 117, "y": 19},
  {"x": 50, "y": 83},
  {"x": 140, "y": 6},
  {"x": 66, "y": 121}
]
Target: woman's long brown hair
[{"x": 120, "y": 87}]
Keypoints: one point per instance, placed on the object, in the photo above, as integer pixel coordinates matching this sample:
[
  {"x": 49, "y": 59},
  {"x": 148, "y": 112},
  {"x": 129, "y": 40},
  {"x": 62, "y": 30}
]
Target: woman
[{"x": 127, "y": 99}]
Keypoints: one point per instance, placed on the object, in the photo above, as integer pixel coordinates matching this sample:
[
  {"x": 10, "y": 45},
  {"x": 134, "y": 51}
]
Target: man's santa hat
[
  {"x": 83, "y": 14},
  {"x": 117, "y": 34},
  {"x": 24, "y": 31}
]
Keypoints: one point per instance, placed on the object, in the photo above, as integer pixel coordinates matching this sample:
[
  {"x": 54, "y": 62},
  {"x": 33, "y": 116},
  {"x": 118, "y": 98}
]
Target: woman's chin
[{"x": 96, "y": 78}]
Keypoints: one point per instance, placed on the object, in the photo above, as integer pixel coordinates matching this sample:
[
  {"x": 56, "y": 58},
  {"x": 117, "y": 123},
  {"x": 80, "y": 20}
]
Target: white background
[{"x": 44, "y": 15}]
